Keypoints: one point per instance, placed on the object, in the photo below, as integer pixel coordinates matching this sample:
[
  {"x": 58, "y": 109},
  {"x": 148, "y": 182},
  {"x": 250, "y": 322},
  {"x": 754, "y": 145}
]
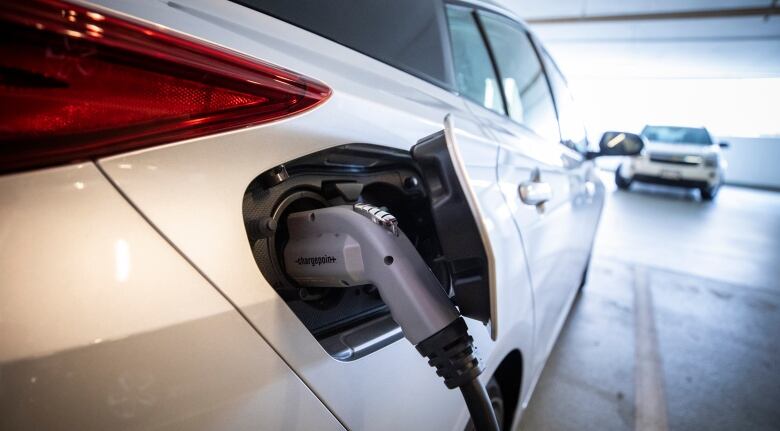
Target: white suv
[{"x": 677, "y": 156}]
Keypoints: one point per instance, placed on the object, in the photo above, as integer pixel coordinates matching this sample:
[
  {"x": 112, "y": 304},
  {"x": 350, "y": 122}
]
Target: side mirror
[
  {"x": 619, "y": 144},
  {"x": 723, "y": 144}
]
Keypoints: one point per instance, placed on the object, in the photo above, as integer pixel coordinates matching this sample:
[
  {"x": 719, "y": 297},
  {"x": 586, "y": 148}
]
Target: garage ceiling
[{"x": 658, "y": 38}]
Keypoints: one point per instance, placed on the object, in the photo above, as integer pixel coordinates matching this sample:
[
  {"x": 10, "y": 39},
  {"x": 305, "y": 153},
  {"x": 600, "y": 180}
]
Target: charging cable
[{"x": 361, "y": 244}]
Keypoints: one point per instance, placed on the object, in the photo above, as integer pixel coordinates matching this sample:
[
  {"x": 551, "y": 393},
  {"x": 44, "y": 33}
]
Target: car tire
[
  {"x": 622, "y": 183},
  {"x": 497, "y": 400},
  {"x": 709, "y": 193}
]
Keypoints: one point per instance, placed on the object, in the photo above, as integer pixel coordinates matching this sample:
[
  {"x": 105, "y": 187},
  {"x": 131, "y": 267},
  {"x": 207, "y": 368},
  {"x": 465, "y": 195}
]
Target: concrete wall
[{"x": 753, "y": 161}]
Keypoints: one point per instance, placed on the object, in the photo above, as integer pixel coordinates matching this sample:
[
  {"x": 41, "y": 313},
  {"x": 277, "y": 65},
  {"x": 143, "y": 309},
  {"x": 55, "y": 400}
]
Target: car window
[
  {"x": 410, "y": 35},
  {"x": 527, "y": 94},
  {"x": 475, "y": 77},
  {"x": 570, "y": 120}
]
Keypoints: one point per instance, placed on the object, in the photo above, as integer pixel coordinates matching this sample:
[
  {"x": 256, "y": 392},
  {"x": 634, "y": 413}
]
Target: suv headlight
[{"x": 711, "y": 160}]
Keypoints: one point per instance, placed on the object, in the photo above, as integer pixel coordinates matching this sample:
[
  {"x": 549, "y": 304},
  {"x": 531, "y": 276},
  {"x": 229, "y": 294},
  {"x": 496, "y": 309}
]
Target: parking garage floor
[{"x": 678, "y": 325}]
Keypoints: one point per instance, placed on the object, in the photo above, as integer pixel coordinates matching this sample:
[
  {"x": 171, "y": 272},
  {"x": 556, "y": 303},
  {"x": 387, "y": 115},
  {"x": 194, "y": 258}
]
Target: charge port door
[{"x": 458, "y": 168}]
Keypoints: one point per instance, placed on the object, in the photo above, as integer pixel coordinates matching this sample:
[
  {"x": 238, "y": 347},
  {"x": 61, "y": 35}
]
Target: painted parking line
[{"x": 649, "y": 399}]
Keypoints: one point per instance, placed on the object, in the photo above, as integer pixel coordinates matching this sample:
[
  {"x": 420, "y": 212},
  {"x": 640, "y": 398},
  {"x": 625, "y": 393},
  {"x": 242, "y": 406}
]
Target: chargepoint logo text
[{"x": 315, "y": 261}]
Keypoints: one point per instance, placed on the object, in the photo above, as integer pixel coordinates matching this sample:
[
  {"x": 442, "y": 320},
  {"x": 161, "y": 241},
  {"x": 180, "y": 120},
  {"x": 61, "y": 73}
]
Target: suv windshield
[{"x": 677, "y": 135}]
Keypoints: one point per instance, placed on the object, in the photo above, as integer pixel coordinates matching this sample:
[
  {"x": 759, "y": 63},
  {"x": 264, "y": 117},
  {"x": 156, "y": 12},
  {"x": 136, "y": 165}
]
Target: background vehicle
[
  {"x": 141, "y": 285},
  {"x": 678, "y": 156}
]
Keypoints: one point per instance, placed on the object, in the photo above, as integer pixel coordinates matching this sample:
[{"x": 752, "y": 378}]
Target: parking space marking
[{"x": 649, "y": 399}]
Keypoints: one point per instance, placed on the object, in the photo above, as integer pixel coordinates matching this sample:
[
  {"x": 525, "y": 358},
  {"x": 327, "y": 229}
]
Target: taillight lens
[{"x": 77, "y": 84}]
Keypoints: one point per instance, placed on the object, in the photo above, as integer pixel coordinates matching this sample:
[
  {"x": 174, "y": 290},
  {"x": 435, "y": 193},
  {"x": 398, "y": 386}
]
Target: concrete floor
[{"x": 678, "y": 326}]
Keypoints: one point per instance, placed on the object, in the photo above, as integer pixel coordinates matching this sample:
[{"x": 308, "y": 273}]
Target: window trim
[
  {"x": 531, "y": 40},
  {"x": 494, "y": 64},
  {"x": 451, "y": 56}
]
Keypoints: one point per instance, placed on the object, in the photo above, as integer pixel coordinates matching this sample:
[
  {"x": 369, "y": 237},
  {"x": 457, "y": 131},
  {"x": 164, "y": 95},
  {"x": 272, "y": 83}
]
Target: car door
[
  {"x": 543, "y": 182},
  {"x": 589, "y": 198}
]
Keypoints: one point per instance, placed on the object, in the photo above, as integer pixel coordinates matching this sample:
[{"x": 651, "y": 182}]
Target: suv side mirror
[
  {"x": 723, "y": 144},
  {"x": 619, "y": 144}
]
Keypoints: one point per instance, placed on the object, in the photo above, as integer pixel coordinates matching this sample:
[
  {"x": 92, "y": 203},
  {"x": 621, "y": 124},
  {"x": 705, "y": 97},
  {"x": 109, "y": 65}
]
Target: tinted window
[
  {"x": 408, "y": 34},
  {"x": 474, "y": 74},
  {"x": 525, "y": 87},
  {"x": 570, "y": 120}
]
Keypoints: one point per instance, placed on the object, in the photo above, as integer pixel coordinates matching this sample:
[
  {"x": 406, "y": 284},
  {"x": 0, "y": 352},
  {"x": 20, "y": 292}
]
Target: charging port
[{"x": 350, "y": 321}]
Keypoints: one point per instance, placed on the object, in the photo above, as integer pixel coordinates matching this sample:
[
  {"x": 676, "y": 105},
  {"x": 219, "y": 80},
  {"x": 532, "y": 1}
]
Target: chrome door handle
[{"x": 535, "y": 193}]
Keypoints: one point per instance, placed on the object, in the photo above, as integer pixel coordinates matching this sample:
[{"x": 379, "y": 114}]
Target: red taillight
[{"x": 76, "y": 84}]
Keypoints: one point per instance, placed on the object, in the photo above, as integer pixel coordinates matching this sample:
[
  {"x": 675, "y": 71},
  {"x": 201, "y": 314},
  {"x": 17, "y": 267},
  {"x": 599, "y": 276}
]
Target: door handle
[{"x": 535, "y": 191}]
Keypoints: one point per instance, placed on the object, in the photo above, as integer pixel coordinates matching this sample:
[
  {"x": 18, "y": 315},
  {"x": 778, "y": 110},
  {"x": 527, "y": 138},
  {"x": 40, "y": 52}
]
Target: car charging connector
[{"x": 351, "y": 245}]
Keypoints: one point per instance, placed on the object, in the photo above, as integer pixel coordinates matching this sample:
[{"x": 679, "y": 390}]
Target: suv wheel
[
  {"x": 622, "y": 183},
  {"x": 709, "y": 193}
]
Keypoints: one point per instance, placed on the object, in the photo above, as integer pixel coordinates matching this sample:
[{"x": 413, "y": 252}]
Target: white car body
[{"x": 129, "y": 296}]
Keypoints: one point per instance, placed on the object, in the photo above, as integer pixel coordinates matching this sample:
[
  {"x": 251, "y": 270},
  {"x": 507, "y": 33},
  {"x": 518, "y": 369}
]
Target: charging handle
[{"x": 362, "y": 244}]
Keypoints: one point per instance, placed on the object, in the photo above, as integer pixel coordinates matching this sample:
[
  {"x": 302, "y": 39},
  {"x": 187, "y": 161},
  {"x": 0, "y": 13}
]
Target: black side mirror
[
  {"x": 723, "y": 144},
  {"x": 619, "y": 144}
]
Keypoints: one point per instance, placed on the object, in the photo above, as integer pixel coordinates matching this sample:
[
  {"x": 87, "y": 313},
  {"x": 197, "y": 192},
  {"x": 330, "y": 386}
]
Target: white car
[
  {"x": 152, "y": 154},
  {"x": 677, "y": 156}
]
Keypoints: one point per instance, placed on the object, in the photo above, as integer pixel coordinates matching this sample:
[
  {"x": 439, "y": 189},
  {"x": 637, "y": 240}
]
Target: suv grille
[{"x": 675, "y": 159}]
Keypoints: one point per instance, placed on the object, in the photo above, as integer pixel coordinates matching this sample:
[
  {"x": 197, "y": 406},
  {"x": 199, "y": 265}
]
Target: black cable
[
  {"x": 452, "y": 352},
  {"x": 481, "y": 409}
]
